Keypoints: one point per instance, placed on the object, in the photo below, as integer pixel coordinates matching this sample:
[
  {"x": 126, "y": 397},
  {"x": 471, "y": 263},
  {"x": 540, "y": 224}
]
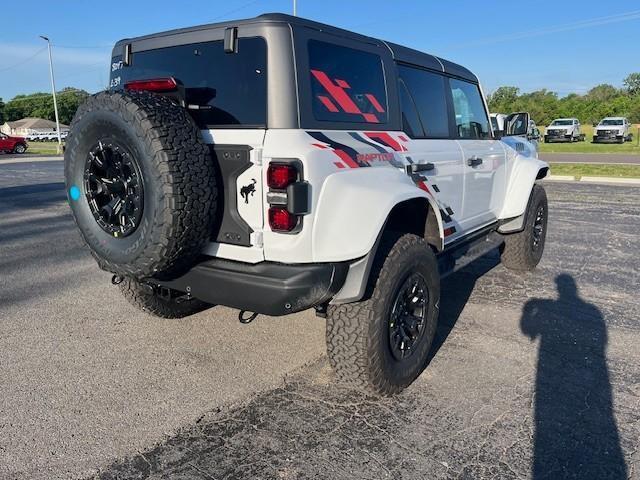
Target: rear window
[
  {"x": 229, "y": 90},
  {"x": 347, "y": 84}
]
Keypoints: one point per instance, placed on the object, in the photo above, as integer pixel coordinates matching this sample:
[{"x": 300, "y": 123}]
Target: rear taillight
[
  {"x": 288, "y": 197},
  {"x": 152, "y": 85},
  {"x": 282, "y": 220},
  {"x": 280, "y": 176}
]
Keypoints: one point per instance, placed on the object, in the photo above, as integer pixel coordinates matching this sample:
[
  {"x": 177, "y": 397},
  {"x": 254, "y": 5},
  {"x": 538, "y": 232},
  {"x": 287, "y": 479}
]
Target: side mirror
[{"x": 517, "y": 124}]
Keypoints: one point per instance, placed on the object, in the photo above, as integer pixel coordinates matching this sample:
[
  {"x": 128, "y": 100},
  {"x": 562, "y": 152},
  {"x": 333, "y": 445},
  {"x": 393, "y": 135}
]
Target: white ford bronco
[
  {"x": 613, "y": 129},
  {"x": 277, "y": 164}
]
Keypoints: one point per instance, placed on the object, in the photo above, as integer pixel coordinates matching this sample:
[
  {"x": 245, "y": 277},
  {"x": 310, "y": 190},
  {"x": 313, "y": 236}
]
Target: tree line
[
  {"x": 40, "y": 105},
  {"x": 601, "y": 101}
]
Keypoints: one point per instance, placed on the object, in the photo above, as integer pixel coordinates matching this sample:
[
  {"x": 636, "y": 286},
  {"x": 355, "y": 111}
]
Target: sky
[{"x": 565, "y": 46}]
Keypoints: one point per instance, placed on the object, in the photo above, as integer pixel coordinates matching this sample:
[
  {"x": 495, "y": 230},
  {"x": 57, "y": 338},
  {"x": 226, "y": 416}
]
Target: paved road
[
  {"x": 531, "y": 376},
  {"x": 591, "y": 158}
]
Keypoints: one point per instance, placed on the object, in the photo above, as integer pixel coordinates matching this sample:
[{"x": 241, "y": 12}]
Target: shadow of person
[{"x": 575, "y": 431}]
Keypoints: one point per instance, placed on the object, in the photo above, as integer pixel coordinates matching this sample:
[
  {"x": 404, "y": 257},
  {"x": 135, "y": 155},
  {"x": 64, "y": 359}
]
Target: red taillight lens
[
  {"x": 280, "y": 176},
  {"x": 152, "y": 85},
  {"x": 282, "y": 220}
]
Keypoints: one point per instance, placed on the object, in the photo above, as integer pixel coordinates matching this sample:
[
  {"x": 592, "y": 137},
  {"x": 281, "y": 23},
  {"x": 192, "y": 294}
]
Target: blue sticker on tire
[{"x": 74, "y": 193}]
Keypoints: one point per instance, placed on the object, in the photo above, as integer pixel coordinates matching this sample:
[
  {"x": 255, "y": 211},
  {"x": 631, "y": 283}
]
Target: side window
[
  {"x": 347, "y": 85},
  {"x": 428, "y": 92},
  {"x": 410, "y": 121},
  {"x": 471, "y": 118}
]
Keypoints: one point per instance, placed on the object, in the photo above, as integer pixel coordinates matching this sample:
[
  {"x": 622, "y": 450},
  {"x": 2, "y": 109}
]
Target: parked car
[
  {"x": 354, "y": 172},
  {"x": 10, "y": 144},
  {"x": 564, "y": 130},
  {"x": 613, "y": 129}
]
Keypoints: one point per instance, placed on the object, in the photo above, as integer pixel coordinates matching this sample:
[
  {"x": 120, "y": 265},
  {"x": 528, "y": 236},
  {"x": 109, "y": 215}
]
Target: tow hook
[
  {"x": 117, "y": 279},
  {"x": 244, "y": 319}
]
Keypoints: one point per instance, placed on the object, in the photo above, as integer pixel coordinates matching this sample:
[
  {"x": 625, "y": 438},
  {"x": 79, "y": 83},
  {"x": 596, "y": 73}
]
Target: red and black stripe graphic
[
  {"x": 338, "y": 94},
  {"x": 346, "y": 153},
  {"x": 387, "y": 140}
]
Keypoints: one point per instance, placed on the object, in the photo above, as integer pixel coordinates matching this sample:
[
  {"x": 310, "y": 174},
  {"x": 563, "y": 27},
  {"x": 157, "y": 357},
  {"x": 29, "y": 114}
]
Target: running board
[{"x": 462, "y": 254}]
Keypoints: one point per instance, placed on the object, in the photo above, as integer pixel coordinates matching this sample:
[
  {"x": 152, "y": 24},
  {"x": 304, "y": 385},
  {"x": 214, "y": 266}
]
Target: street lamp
[
  {"x": 53, "y": 90},
  {"x": 295, "y": 8}
]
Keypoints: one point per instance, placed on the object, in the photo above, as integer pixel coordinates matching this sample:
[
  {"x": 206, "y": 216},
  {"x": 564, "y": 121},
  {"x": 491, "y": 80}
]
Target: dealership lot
[{"x": 92, "y": 385}]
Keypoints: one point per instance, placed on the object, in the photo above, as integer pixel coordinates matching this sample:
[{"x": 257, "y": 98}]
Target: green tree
[
  {"x": 41, "y": 105},
  {"x": 632, "y": 83},
  {"x": 503, "y": 99},
  {"x": 1, "y": 111}
]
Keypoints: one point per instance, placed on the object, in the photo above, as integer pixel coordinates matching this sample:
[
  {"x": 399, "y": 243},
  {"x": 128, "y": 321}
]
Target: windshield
[
  {"x": 562, "y": 122},
  {"x": 611, "y": 122}
]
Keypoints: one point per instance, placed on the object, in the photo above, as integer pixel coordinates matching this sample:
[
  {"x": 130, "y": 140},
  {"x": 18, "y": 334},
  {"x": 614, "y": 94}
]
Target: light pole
[
  {"x": 295, "y": 8},
  {"x": 53, "y": 90}
]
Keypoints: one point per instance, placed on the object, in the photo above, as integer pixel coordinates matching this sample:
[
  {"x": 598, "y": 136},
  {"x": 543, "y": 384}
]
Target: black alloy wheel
[
  {"x": 114, "y": 188},
  {"x": 408, "y": 316},
  {"x": 538, "y": 227}
]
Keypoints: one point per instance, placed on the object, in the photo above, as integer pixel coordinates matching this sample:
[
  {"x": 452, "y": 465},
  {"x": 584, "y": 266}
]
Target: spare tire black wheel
[{"x": 141, "y": 184}]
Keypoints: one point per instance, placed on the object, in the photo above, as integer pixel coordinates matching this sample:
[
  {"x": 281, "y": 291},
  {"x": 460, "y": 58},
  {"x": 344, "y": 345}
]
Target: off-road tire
[
  {"x": 178, "y": 175},
  {"x": 357, "y": 333},
  {"x": 144, "y": 298},
  {"x": 519, "y": 252}
]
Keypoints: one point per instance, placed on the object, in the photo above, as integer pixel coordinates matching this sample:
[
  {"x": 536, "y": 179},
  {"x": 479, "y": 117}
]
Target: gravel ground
[{"x": 532, "y": 376}]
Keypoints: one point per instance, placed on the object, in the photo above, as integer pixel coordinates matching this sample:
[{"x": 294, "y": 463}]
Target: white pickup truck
[
  {"x": 564, "y": 130},
  {"x": 613, "y": 129}
]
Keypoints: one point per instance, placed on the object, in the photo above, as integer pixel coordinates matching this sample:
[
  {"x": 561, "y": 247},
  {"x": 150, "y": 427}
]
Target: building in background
[{"x": 31, "y": 126}]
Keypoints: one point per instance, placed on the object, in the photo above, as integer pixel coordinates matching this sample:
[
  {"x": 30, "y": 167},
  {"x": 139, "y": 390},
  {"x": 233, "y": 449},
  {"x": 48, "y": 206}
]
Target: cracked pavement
[{"x": 532, "y": 375}]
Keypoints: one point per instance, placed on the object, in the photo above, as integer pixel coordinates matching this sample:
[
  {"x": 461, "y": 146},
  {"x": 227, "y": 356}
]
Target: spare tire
[{"x": 141, "y": 184}]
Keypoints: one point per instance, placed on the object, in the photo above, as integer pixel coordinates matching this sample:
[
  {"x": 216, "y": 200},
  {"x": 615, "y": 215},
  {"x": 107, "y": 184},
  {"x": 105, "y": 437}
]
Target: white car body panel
[{"x": 350, "y": 204}]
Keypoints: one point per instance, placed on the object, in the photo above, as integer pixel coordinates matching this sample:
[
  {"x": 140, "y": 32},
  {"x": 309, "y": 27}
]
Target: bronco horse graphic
[{"x": 248, "y": 190}]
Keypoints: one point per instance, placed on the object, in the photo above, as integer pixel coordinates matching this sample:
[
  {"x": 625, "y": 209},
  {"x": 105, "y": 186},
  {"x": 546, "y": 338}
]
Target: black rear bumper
[{"x": 267, "y": 287}]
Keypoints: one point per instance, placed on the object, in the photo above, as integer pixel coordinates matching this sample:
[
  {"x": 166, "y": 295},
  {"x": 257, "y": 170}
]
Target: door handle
[
  {"x": 474, "y": 161},
  {"x": 419, "y": 167}
]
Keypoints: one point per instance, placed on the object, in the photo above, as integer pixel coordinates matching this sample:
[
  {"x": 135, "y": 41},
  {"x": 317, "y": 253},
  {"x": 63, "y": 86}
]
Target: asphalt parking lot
[{"x": 532, "y": 376}]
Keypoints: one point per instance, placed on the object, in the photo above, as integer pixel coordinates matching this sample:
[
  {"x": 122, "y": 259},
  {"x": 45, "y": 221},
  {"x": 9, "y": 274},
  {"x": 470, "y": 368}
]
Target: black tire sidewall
[
  {"x": 538, "y": 199},
  {"x": 414, "y": 259},
  {"x": 105, "y": 125}
]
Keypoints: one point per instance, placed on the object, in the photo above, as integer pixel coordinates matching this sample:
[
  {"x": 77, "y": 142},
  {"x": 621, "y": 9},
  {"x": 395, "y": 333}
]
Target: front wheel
[
  {"x": 523, "y": 250},
  {"x": 381, "y": 344}
]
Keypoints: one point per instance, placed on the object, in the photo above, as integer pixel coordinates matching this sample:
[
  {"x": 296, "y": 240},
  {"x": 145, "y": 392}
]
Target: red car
[{"x": 12, "y": 144}]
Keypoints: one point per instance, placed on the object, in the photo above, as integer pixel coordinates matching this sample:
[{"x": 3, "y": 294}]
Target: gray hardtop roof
[{"x": 399, "y": 53}]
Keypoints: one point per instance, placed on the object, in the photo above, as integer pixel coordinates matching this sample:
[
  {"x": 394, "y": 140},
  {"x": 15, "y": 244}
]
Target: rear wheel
[
  {"x": 165, "y": 303},
  {"x": 523, "y": 250},
  {"x": 20, "y": 148},
  {"x": 381, "y": 344}
]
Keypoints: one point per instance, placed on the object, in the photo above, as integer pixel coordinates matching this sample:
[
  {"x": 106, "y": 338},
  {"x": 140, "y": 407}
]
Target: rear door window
[
  {"x": 347, "y": 85},
  {"x": 471, "y": 117},
  {"x": 410, "y": 120},
  {"x": 429, "y": 94},
  {"x": 228, "y": 90}
]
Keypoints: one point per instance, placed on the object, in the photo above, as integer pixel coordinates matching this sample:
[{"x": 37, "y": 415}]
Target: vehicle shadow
[
  {"x": 575, "y": 434},
  {"x": 455, "y": 291}
]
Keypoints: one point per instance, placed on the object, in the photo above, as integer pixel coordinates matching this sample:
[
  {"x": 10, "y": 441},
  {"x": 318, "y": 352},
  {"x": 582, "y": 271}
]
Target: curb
[{"x": 571, "y": 178}]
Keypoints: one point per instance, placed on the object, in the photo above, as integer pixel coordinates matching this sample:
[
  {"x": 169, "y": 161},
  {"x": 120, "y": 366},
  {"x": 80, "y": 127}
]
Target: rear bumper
[{"x": 267, "y": 288}]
